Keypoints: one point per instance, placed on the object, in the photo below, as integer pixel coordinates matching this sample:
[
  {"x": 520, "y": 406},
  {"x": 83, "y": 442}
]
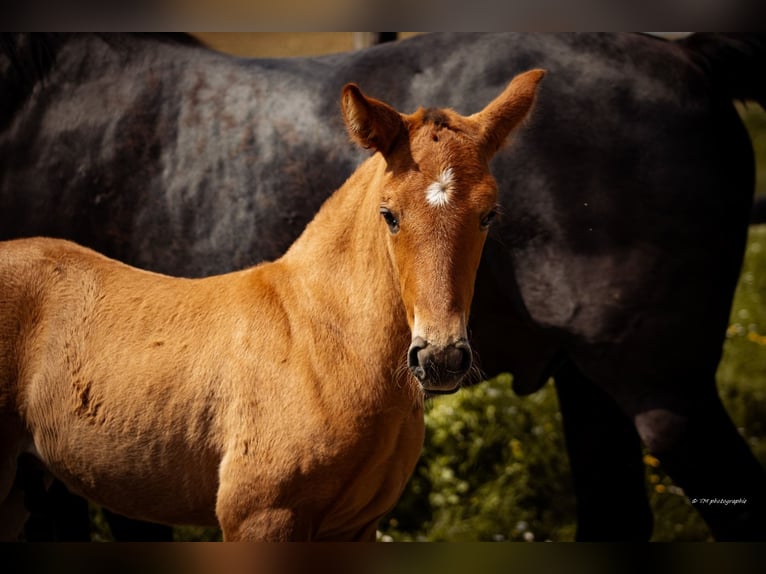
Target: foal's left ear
[
  {"x": 507, "y": 110},
  {"x": 370, "y": 122}
]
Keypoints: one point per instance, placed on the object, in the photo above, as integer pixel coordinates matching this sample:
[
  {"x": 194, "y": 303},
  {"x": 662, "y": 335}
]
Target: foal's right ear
[{"x": 371, "y": 123}]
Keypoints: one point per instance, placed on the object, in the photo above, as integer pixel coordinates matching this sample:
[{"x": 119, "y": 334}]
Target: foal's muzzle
[{"x": 439, "y": 369}]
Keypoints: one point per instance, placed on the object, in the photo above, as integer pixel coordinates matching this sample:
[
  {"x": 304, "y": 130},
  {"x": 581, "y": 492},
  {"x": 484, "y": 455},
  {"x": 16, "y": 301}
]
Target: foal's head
[{"x": 436, "y": 203}]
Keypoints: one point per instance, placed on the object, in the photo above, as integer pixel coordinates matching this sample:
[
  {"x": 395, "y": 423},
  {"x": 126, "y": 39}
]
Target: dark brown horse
[{"x": 612, "y": 267}]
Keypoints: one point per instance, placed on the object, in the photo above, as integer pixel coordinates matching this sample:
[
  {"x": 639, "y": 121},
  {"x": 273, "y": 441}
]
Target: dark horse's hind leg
[
  {"x": 703, "y": 453},
  {"x": 606, "y": 459},
  {"x": 56, "y": 515}
]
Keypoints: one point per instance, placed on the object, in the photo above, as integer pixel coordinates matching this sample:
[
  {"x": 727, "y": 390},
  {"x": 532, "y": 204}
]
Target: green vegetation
[
  {"x": 755, "y": 122},
  {"x": 493, "y": 468}
]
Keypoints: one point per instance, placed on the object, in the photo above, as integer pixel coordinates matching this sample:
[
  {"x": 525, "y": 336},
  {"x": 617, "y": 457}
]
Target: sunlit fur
[{"x": 269, "y": 400}]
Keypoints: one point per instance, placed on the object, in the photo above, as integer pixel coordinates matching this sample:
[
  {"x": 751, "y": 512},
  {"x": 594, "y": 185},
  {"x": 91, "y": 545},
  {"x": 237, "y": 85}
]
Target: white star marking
[{"x": 437, "y": 194}]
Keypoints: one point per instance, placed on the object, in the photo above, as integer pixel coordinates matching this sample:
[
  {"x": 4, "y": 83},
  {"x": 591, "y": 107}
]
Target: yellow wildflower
[
  {"x": 516, "y": 448},
  {"x": 649, "y": 460}
]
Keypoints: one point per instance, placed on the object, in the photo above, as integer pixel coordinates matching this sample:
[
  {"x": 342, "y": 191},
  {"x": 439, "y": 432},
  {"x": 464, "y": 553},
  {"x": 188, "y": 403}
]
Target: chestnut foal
[{"x": 272, "y": 400}]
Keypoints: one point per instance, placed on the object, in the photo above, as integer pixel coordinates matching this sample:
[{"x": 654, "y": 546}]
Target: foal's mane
[{"x": 440, "y": 119}]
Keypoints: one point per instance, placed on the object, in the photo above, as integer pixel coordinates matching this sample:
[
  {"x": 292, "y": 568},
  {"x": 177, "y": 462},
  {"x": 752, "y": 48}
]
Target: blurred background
[{"x": 286, "y": 44}]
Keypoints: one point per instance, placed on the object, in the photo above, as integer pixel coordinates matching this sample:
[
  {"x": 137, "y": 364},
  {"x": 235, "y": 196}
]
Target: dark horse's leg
[
  {"x": 54, "y": 514},
  {"x": 606, "y": 460},
  {"x": 58, "y": 515},
  {"x": 699, "y": 447},
  {"x": 129, "y": 530}
]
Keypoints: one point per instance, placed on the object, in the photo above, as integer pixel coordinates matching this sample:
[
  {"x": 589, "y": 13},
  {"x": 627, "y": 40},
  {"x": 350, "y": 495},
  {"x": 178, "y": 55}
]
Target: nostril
[
  {"x": 458, "y": 358},
  {"x": 467, "y": 358},
  {"x": 413, "y": 358}
]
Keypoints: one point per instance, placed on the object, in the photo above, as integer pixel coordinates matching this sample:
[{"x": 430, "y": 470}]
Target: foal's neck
[{"x": 341, "y": 264}]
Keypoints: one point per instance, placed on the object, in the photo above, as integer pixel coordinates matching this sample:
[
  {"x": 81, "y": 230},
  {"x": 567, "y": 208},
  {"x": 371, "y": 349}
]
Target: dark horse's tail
[
  {"x": 736, "y": 66},
  {"x": 735, "y": 63}
]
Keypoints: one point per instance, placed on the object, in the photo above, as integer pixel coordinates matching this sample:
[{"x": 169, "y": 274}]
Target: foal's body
[
  {"x": 272, "y": 400},
  {"x": 147, "y": 385}
]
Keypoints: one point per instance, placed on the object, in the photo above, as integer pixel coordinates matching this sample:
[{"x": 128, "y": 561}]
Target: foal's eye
[
  {"x": 488, "y": 219},
  {"x": 391, "y": 220}
]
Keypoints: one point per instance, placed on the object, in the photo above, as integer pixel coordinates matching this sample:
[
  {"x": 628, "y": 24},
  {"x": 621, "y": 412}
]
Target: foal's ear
[
  {"x": 370, "y": 122},
  {"x": 507, "y": 110}
]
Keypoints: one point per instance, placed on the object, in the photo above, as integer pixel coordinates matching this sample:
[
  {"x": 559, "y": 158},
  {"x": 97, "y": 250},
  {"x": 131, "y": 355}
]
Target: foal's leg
[
  {"x": 258, "y": 525},
  {"x": 245, "y": 511},
  {"x": 606, "y": 460},
  {"x": 703, "y": 453}
]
